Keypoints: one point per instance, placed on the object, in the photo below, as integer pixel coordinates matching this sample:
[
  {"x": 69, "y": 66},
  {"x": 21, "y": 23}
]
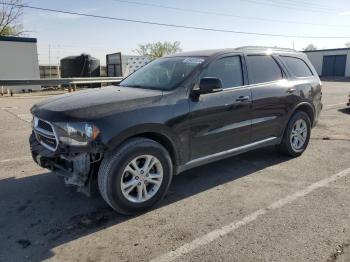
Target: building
[
  {"x": 19, "y": 60},
  {"x": 114, "y": 65},
  {"x": 124, "y": 65},
  {"x": 49, "y": 71},
  {"x": 131, "y": 63},
  {"x": 103, "y": 71},
  {"x": 331, "y": 62}
]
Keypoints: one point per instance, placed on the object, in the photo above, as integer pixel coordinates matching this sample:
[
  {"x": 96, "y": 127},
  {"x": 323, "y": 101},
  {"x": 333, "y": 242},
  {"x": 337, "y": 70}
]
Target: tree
[
  {"x": 310, "y": 47},
  {"x": 347, "y": 44},
  {"x": 10, "y": 18},
  {"x": 158, "y": 49}
]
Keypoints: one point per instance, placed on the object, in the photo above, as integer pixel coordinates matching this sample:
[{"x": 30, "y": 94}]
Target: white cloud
[{"x": 344, "y": 13}]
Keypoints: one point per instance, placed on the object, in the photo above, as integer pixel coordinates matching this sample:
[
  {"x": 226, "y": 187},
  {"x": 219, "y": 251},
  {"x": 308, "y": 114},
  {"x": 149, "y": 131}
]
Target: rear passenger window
[
  {"x": 297, "y": 66},
  {"x": 263, "y": 68},
  {"x": 228, "y": 69}
]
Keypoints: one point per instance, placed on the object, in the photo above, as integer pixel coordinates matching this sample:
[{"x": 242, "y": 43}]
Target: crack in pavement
[
  {"x": 330, "y": 138},
  {"x": 339, "y": 251},
  {"x": 15, "y": 115}
]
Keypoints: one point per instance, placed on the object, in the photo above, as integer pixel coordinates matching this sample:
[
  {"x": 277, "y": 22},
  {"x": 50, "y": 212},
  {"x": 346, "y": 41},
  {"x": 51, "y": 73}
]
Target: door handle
[
  {"x": 242, "y": 98},
  {"x": 291, "y": 90}
]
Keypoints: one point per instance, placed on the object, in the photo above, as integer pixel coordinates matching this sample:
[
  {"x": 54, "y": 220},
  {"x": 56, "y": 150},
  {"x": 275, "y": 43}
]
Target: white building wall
[
  {"x": 316, "y": 59},
  {"x": 131, "y": 63},
  {"x": 19, "y": 60}
]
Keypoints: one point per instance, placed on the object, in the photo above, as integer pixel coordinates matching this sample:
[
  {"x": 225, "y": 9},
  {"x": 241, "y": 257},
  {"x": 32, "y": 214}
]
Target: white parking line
[
  {"x": 332, "y": 105},
  {"x": 15, "y": 159},
  {"x": 214, "y": 235}
]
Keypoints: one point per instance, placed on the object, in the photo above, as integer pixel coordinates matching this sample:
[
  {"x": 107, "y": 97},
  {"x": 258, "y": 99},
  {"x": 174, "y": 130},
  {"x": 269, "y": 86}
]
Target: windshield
[{"x": 163, "y": 73}]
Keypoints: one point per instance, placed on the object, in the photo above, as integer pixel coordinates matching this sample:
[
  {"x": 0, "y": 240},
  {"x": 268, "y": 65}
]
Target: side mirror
[{"x": 208, "y": 85}]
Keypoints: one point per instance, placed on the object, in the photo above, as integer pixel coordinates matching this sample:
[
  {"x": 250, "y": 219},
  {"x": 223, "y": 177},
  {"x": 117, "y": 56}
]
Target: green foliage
[
  {"x": 10, "y": 18},
  {"x": 158, "y": 49}
]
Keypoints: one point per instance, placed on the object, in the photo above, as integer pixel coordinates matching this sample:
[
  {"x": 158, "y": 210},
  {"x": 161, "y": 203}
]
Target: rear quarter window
[
  {"x": 297, "y": 66},
  {"x": 263, "y": 68}
]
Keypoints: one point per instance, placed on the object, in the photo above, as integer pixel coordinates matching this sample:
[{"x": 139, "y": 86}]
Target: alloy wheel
[
  {"x": 142, "y": 178},
  {"x": 298, "y": 135}
]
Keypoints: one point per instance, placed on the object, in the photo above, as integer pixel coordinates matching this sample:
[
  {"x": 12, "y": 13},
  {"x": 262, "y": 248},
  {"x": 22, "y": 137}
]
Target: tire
[
  {"x": 287, "y": 146},
  {"x": 115, "y": 167}
]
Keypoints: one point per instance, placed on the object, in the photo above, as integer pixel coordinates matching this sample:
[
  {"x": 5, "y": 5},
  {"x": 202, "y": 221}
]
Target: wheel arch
[
  {"x": 305, "y": 107},
  {"x": 158, "y": 133},
  {"x": 162, "y": 139}
]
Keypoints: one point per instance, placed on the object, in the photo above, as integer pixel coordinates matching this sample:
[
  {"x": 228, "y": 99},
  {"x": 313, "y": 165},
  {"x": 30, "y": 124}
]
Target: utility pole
[{"x": 50, "y": 61}]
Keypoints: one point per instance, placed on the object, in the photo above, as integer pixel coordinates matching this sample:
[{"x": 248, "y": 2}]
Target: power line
[
  {"x": 311, "y": 4},
  {"x": 173, "y": 25},
  {"x": 224, "y": 14},
  {"x": 304, "y": 6},
  {"x": 307, "y": 3},
  {"x": 286, "y": 6}
]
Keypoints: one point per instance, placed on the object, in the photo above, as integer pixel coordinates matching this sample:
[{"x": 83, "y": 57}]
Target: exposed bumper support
[{"x": 75, "y": 168}]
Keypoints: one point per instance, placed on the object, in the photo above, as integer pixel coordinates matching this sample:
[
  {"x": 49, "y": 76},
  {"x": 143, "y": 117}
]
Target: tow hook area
[{"x": 80, "y": 170}]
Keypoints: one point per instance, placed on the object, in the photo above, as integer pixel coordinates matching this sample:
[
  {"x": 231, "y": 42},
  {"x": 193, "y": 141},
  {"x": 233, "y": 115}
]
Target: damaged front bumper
[{"x": 76, "y": 166}]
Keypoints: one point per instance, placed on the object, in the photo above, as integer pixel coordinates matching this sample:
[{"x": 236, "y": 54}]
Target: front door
[{"x": 222, "y": 121}]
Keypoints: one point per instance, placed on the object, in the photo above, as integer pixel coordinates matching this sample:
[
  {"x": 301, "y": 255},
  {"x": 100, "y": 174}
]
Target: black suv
[{"x": 174, "y": 114}]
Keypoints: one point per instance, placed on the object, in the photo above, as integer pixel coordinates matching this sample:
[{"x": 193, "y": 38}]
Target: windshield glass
[{"x": 163, "y": 73}]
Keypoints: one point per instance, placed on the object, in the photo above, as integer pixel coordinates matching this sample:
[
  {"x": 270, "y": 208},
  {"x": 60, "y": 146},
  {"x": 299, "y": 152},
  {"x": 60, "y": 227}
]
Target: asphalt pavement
[{"x": 259, "y": 206}]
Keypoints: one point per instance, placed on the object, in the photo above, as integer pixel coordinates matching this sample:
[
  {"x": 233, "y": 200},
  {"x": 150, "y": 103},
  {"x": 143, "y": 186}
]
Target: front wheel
[
  {"x": 136, "y": 176},
  {"x": 297, "y": 135}
]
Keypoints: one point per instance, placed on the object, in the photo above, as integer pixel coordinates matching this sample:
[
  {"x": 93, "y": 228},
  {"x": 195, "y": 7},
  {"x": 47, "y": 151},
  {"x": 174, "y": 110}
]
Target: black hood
[{"x": 95, "y": 103}]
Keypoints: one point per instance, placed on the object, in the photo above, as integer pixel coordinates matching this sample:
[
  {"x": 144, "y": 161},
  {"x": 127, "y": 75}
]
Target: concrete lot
[{"x": 259, "y": 206}]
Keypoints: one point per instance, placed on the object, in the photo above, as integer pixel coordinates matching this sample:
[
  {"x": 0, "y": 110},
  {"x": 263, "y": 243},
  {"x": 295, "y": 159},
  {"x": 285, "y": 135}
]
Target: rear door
[
  {"x": 272, "y": 97},
  {"x": 222, "y": 121}
]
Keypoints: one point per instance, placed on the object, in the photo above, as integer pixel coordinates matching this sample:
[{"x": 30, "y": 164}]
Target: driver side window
[{"x": 228, "y": 69}]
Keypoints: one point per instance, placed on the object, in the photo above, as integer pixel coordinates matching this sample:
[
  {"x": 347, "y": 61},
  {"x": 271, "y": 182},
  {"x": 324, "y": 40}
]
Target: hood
[{"x": 95, "y": 103}]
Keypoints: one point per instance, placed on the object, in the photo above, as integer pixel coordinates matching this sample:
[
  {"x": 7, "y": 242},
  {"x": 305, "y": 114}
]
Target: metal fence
[{"x": 70, "y": 82}]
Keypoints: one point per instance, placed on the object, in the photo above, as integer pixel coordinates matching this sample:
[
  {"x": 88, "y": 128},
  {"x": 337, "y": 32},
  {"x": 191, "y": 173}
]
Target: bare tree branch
[{"x": 10, "y": 18}]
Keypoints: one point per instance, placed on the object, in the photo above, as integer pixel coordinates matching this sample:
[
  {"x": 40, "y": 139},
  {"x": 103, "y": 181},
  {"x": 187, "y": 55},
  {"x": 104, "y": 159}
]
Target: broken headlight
[{"x": 77, "y": 133}]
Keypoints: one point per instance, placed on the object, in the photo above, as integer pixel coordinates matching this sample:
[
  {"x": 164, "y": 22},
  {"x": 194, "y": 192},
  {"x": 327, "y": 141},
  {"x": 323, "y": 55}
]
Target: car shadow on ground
[
  {"x": 38, "y": 213},
  {"x": 345, "y": 110}
]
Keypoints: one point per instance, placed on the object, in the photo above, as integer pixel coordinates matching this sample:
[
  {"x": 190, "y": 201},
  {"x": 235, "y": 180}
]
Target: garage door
[{"x": 334, "y": 65}]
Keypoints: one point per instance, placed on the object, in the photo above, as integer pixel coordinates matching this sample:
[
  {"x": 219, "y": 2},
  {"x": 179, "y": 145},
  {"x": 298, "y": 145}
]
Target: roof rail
[{"x": 264, "y": 48}]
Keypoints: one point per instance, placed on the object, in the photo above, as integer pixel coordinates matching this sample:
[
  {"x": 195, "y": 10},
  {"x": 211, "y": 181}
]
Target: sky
[{"x": 61, "y": 35}]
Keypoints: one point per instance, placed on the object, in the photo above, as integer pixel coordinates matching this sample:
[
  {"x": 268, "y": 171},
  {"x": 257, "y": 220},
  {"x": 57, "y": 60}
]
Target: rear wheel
[
  {"x": 297, "y": 135},
  {"x": 136, "y": 176}
]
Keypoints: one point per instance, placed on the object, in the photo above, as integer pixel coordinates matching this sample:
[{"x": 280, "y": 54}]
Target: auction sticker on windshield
[{"x": 193, "y": 60}]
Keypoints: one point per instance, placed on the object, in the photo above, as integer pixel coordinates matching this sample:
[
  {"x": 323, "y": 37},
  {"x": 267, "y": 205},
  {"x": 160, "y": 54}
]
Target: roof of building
[
  {"x": 332, "y": 49},
  {"x": 18, "y": 39}
]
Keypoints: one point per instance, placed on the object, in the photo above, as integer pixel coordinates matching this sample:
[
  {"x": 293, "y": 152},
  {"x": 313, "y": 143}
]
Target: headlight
[{"x": 77, "y": 133}]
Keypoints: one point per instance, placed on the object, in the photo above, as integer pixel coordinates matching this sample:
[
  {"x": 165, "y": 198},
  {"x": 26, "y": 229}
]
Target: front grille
[
  {"x": 45, "y": 134},
  {"x": 45, "y": 126}
]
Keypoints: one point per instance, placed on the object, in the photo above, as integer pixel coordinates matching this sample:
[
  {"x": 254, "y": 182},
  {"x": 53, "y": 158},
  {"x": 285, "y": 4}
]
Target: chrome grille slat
[{"x": 45, "y": 134}]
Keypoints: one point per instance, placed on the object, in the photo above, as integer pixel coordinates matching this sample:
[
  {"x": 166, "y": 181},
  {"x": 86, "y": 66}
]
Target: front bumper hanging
[{"x": 74, "y": 168}]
